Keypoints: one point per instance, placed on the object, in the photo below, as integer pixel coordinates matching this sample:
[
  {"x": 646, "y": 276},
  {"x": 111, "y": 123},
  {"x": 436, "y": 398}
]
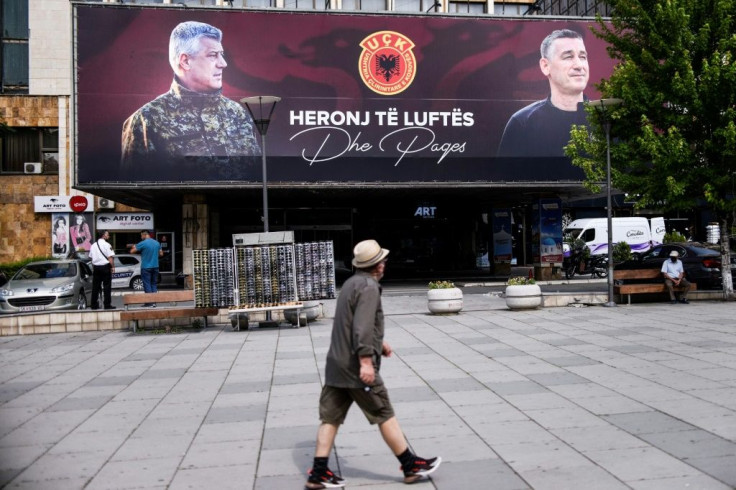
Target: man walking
[
  {"x": 103, "y": 265},
  {"x": 352, "y": 371},
  {"x": 150, "y": 251},
  {"x": 674, "y": 276}
]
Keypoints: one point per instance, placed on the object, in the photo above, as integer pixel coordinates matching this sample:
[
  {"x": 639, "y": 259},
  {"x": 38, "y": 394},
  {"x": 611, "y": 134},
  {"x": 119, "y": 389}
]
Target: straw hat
[{"x": 368, "y": 253}]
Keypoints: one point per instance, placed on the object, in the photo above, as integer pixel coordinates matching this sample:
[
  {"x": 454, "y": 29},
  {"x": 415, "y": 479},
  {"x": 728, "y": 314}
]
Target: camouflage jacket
[{"x": 185, "y": 135}]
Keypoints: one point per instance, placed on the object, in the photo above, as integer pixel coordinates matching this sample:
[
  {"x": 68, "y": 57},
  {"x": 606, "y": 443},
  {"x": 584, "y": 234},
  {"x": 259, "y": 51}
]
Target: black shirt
[{"x": 539, "y": 130}]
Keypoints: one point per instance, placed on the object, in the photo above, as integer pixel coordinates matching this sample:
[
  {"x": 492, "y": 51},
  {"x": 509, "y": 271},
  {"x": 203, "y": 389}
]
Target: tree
[{"x": 673, "y": 141}]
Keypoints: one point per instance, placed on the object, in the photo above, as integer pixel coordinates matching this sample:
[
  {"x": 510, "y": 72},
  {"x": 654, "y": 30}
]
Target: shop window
[
  {"x": 14, "y": 41},
  {"x": 19, "y": 146}
]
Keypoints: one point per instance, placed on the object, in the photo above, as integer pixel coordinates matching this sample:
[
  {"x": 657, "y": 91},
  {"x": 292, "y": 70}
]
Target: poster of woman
[
  {"x": 59, "y": 235},
  {"x": 80, "y": 233}
]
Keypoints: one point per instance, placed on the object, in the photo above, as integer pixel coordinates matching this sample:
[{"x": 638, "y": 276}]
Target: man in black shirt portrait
[{"x": 542, "y": 129}]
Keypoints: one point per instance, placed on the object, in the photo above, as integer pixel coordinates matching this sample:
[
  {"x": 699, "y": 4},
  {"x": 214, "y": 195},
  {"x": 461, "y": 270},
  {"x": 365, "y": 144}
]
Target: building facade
[{"x": 447, "y": 208}]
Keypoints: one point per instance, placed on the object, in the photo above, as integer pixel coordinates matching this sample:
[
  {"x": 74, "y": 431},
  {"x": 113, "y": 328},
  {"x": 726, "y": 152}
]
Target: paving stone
[{"x": 647, "y": 422}]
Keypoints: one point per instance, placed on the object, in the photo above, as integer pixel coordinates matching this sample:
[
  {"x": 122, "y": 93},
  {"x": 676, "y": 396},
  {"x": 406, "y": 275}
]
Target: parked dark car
[{"x": 701, "y": 261}]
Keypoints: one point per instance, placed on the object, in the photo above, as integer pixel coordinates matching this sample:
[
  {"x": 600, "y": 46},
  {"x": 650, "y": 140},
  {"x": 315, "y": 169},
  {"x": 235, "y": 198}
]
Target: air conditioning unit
[
  {"x": 104, "y": 203},
  {"x": 32, "y": 167}
]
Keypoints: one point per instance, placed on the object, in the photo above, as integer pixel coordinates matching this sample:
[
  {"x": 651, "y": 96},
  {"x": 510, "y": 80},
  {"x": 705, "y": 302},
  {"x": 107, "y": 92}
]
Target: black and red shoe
[
  {"x": 324, "y": 479},
  {"x": 420, "y": 468}
]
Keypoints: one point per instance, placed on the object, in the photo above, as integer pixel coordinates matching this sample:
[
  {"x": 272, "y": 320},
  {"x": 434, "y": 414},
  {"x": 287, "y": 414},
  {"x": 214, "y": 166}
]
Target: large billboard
[{"x": 365, "y": 98}]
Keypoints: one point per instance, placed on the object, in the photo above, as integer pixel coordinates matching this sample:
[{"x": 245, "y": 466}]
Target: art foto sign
[
  {"x": 61, "y": 204},
  {"x": 124, "y": 221}
]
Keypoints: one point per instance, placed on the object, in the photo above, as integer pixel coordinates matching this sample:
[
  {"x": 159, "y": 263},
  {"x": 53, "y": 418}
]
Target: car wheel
[
  {"x": 136, "y": 283},
  {"x": 81, "y": 301}
]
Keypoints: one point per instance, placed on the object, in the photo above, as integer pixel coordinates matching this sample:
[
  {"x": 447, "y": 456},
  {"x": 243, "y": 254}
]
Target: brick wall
[{"x": 24, "y": 233}]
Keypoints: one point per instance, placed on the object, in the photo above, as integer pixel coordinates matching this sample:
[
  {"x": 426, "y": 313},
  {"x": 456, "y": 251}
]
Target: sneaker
[
  {"x": 673, "y": 302},
  {"x": 326, "y": 479},
  {"x": 684, "y": 301},
  {"x": 420, "y": 468}
]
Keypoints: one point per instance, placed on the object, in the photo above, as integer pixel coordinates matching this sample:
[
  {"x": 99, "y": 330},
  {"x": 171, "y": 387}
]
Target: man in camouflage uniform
[{"x": 192, "y": 132}]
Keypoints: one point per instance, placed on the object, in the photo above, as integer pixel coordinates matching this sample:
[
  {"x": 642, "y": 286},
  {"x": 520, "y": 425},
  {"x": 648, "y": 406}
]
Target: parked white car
[{"x": 127, "y": 272}]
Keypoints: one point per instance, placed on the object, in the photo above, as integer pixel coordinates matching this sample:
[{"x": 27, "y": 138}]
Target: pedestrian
[
  {"x": 150, "y": 251},
  {"x": 103, "y": 265},
  {"x": 674, "y": 276},
  {"x": 352, "y": 371}
]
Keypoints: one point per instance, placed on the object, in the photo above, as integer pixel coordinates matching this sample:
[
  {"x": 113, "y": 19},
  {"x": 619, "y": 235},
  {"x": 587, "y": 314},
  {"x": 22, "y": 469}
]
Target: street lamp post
[
  {"x": 265, "y": 105},
  {"x": 602, "y": 106}
]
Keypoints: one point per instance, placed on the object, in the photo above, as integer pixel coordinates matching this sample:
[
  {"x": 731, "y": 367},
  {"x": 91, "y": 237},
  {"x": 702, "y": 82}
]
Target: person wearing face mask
[{"x": 674, "y": 276}]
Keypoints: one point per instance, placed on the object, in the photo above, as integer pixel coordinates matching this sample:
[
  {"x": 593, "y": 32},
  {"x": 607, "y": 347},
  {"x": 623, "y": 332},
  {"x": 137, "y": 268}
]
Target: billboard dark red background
[{"x": 487, "y": 66}]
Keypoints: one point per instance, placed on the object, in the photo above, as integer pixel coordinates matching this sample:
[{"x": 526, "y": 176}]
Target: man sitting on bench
[{"x": 674, "y": 276}]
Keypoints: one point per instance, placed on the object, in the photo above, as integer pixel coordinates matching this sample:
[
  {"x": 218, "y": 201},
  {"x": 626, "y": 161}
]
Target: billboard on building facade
[{"x": 365, "y": 98}]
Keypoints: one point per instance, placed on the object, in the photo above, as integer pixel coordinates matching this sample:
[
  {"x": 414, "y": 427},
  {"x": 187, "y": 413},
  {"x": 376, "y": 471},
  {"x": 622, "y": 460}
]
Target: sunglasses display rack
[
  {"x": 315, "y": 270},
  {"x": 264, "y": 277},
  {"x": 214, "y": 284}
]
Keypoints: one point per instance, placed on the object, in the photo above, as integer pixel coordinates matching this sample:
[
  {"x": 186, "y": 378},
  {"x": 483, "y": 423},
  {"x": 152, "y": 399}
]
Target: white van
[{"x": 639, "y": 233}]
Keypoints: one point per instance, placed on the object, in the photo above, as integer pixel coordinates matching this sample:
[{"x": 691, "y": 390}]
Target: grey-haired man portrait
[
  {"x": 192, "y": 131},
  {"x": 542, "y": 129}
]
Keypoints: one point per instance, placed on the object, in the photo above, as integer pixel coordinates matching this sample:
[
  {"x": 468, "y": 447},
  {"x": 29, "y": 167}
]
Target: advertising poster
[
  {"x": 365, "y": 97},
  {"x": 550, "y": 231},
  {"x": 59, "y": 235},
  {"x": 502, "y": 236},
  {"x": 81, "y": 231}
]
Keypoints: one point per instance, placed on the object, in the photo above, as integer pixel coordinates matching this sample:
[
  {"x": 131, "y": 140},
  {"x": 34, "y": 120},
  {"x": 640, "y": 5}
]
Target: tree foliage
[{"x": 673, "y": 142}]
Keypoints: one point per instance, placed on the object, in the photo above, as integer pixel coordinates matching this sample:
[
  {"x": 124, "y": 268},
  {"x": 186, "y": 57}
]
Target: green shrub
[
  {"x": 441, "y": 285},
  {"x": 11, "y": 268},
  {"x": 674, "y": 237},
  {"x": 621, "y": 252},
  {"x": 520, "y": 281}
]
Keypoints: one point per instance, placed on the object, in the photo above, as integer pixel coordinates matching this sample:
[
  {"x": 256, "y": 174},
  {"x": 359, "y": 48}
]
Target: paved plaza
[{"x": 633, "y": 397}]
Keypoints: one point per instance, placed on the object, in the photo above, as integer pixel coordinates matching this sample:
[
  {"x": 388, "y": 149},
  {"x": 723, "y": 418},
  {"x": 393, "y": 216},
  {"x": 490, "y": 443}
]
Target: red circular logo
[
  {"x": 78, "y": 204},
  {"x": 387, "y": 64}
]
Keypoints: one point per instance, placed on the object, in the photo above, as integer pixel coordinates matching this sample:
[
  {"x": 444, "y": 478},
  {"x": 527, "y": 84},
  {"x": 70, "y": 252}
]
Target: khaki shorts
[{"x": 334, "y": 404}]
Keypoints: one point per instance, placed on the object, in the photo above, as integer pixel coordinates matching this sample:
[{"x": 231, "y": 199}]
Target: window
[
  {"x": 14, "y": 52},
  {"x": 22, "y": 145},
  {"x": 470, "y": 7}
]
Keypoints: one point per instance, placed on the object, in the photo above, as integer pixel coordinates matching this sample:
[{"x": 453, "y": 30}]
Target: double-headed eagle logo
[{"x": 387, "y": 64}]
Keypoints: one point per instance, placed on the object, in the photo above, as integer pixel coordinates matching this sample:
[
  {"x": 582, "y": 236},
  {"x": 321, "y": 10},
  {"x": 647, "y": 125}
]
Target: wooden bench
[
  {"x": 648, "y": 281},
  {"x": 161, "y": 311}
]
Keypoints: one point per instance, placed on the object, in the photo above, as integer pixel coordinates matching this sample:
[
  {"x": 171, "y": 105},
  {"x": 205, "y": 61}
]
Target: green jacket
[
  {"x": 356, "y": 331},
  {"x": 185, "y": 135}
]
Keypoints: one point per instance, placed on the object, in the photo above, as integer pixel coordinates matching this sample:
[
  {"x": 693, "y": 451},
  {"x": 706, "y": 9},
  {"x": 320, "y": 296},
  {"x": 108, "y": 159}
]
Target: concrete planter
[
  {"x": 524, "y": 297},
  {"x": 310, "y": 312},
  {"x": 444, "y": 300}
]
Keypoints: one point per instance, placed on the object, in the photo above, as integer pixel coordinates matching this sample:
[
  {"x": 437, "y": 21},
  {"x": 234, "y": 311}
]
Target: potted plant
[
  {"x": 444, "y": 297},
  {"x": 523, "y": 293}
]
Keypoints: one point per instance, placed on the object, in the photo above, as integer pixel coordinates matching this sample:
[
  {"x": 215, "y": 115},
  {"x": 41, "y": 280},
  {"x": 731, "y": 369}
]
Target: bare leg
[
  {"x": 394, "y": 437},
  {"x": 325, "y": 439}
]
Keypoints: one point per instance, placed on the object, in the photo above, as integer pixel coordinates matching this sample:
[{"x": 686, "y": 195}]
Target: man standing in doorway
[
  {"x": 150, "y": 251},
  {"x": 542, "y": 129},
  {"x": 103, "y": 265},
  {"x": 352, "y": 371}
]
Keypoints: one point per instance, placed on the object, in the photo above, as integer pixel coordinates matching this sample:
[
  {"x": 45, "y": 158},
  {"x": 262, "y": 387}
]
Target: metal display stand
[
  {"x": 264, "y": 272},
  {"x": 266, "y": 276}
]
